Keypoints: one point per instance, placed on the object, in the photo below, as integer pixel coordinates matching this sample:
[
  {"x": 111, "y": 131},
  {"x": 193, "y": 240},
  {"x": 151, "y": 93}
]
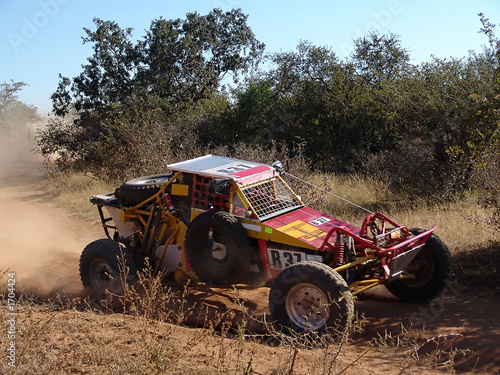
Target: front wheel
[
  {"x": 427, "y": 275},
  {"x": 310, "y": 296},
  {"x": 103, "y": 260}
]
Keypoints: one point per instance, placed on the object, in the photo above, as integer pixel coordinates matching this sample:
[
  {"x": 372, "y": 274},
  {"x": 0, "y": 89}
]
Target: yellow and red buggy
[{"x": 226, "y": 221}]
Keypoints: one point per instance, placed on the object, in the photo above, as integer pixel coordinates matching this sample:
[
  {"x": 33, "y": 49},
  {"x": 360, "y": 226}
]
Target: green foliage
[
  {"x": 129, "y": 90},
  {"x": 179, "y": 61},
  {"x": 378, "y": 58},
  {"x": 428, "y": 129},
  {"x": 187, "y": 60},
  {"x": 376, "y": 112},
  {"x": 313, "y": 98}
]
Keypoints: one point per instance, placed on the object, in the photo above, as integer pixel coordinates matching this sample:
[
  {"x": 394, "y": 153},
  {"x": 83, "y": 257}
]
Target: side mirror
[{"x": 220, "y": 186}]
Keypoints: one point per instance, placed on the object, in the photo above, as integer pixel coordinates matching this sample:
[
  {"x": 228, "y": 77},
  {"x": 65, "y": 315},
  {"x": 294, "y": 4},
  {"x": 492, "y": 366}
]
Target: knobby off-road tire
[
  {"x": 310, "y": 296},
  {"x": 218, "y": 248},
  {"x": 103, "y": 260},
  {"x": 139, "y": 189},
  {"x": 430, "y": 273}
]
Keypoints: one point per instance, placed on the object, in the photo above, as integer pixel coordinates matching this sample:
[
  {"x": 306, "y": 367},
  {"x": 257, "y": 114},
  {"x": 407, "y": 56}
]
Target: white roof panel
[{"x": 220, "y": 166}]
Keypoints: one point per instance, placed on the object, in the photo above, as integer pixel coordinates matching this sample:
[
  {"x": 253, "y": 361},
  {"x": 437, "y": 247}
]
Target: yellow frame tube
[
  {"x": 355, "y": 263},
  {"x": 355, "y": 287}
]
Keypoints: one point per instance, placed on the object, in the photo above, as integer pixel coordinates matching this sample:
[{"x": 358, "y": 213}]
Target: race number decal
[
  {"x": 234, "y": 168},
  {"x": 319, "y": 221},
  {"x": 281, "y": 259}
]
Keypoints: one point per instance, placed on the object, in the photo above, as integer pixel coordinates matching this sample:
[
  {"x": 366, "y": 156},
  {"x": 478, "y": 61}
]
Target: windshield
[{"x": 271, "y": 198}]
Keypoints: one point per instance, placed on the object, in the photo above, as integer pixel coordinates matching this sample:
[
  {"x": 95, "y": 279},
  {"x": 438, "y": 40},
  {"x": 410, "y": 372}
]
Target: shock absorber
[
  {"x": 338, "y": 251},
  {"x": 168, "y": 201}
]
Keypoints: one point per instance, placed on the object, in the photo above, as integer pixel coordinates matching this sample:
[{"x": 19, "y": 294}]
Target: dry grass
[
  {"x": 422, "y": 349},
  {"x": 88, "y": 335},
  {"x": 74, "y": 336},
  {"x": 74, "y": 190},
  {"x": 473, "y": 244},
  {"x": 453, "y": 220},
  {"x": 148, "y": 336}
]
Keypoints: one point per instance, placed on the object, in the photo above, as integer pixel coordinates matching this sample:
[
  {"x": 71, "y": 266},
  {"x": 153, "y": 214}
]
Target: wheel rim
[
  {"x": 307, "y": 306},
  {"x": 218, "y": 251},
  {"x": 420, "y": 270},
  {"x": 99, "y": 271}
]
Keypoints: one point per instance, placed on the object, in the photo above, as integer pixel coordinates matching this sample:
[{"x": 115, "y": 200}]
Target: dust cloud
[{"x": 39, "y": 242}]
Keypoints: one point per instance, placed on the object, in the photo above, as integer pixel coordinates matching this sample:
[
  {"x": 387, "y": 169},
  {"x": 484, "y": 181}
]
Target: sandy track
[{"x": 42, "y": 244}]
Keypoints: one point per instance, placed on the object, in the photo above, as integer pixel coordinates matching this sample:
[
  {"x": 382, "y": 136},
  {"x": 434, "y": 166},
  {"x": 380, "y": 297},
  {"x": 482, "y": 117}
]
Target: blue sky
[{"x": 41, "y": 38}]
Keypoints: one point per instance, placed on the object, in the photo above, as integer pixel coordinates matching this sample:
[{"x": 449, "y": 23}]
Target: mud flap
[{"x": 400, "y": 262}]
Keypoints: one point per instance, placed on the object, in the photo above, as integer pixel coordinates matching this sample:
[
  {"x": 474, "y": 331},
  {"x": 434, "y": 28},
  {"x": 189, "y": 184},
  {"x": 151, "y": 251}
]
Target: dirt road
[{"x": 42, "y": 243}]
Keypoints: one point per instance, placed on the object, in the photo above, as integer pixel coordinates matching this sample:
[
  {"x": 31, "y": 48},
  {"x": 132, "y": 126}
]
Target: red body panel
[
  {"x": 253, "y": 172},
  {"x": 308, "y": 225}
]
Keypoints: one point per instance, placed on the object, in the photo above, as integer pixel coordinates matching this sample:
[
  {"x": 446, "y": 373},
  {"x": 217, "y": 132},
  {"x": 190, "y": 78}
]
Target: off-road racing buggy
[{"x": 225, "y": 221}]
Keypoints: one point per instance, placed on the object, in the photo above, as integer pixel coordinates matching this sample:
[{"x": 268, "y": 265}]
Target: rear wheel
[
  {"x": 310, "y": 296},
  {"x": 427, "y": 275},
  {"x": 218, "y": 248},
  {"x": 103, "y": 260}
]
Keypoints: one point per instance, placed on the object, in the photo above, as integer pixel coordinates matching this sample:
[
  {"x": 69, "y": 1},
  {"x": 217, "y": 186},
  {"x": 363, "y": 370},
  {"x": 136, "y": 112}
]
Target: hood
[{"x": 307, "y": 225}]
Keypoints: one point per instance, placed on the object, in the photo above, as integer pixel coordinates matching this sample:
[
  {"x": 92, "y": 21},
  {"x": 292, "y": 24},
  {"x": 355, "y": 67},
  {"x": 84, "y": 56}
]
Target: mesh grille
[
  {"x": 205, "y": 200},
  {"x": 271, "y": 198}
]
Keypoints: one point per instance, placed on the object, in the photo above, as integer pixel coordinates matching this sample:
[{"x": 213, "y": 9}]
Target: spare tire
[
  {"x": 139, "y": 189},
  {"x": 218, "y": 248}
]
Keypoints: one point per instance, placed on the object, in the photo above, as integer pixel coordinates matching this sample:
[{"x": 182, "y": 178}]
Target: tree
[
  {"x": 179, "y": 61},
  {"x": 485, "y": 152},
  {"x": 14, "y": 114},
  {"x": 184, "y": 61},
  {"x": 313, "y": 88},
  {"x": 251, "y": 120},
  {"x": 178, "y": 64},
  {"x": 338, "y": 110},
  {"x": 380, "y": 57},
  {"x": 108, "y": 77}
]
